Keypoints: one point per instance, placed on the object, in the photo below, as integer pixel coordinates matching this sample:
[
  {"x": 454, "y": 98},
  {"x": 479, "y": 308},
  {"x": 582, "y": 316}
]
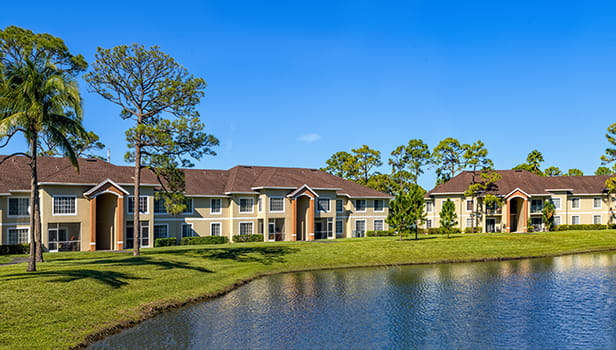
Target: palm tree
[{"x": 39, "y": 101}]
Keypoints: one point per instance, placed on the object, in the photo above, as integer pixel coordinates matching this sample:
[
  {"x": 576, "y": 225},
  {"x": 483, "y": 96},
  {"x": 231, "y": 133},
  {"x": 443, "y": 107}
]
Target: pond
[{"x": 562, "y": 302}]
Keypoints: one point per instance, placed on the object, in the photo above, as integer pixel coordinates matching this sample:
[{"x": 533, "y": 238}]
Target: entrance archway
[{"x": 517, "y": 215}]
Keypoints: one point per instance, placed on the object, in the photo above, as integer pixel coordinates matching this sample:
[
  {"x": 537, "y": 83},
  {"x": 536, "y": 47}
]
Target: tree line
[{"x": 40, "y": 102}]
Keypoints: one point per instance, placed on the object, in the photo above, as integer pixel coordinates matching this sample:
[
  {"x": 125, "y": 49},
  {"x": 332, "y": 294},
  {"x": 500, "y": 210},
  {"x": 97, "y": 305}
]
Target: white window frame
[
  {"x": 219, "y": 228},
  {"x": 192, "y": 206},
  {"x": 239, "y": 227},
  {"x": 341, "y": 227},
  {"x": 8, "y": 207},
  {"x": 270, "y": 204},
  {"x": 572, "y": 219},
  {"x": 594, "y": 217},
  {"x": 466, "y": 205},
  {"x": 329, "y": 204},
  {"x": 600, "y": 202},
  {"x": 154, "y": 231},
  {"x": 219, "y": 207},
  {"x": 192, "y": 229},
  {"x": 467, "y": 222},
  {"x": 341, "y": 206},
  {"x": 541, "y": 201},
  {"x": 365, "y": 205},
  {"x": 260, "y": 204},
  {"x": 382, "y": 205},
  {"x": 252, "y": 205},
  {"x": 579, "y": 201},
  {"x": 382, "y": 224},
  {"x": 160, "y": 200},
  {"x": 8, "y": 234},
  {"x": 146, "y": 224},
  {"x": 429, "y": 223},
  {"x": 557, "y": 199},
  {"x": 365, "y": 226},
  {"x": 147, "y": 204},
  {"x": 53, "y": 205},
  {"x": 429, "y": 206},
  {"x": 559, "y": 222}
]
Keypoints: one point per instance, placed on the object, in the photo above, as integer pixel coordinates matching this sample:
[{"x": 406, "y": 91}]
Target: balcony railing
[
  {"x": 275, "y": 236},
  {"x": 65, "y": 246},
  {"x": 359, "y": 233},
  {"x": 494, "y": 211}
]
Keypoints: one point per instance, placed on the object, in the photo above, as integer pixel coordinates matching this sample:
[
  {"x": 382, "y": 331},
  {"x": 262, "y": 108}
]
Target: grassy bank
[{"x": 74, "y": 295}]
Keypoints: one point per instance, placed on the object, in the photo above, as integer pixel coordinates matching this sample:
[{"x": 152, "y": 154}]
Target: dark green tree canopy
[
  {"x": 358, "y": 166},
  {"x": 408, "y": 161},
  {"x": 575, "y": 172},
  {"x": 447, "y": 156},
  {"x": 533, "y": 163},
  {"x": 448, "y": 217},
  {"x": 552, "y": 171}
]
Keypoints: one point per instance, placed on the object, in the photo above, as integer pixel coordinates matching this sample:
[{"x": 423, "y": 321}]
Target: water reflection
[{"x": 563, "y": 302}]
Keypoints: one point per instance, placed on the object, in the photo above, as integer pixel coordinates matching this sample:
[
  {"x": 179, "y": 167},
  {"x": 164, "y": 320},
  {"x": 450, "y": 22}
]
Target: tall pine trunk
[
  {"x": 33, "y": 195},
  {"x": 136, "y": 186}
]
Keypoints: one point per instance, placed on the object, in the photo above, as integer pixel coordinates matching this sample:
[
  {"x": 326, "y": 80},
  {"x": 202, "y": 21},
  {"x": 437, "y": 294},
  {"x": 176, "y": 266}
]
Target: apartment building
[
  {"x": 93, "y": 209},
  {"x": 577, "y": 200}
]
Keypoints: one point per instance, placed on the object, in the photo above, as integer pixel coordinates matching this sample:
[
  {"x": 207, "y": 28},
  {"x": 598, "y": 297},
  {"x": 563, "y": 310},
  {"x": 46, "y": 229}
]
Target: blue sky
[{"x": 291, "y": 83}]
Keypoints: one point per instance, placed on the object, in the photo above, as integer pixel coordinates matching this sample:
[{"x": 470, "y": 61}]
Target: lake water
[{"x": 563, "y": 302}]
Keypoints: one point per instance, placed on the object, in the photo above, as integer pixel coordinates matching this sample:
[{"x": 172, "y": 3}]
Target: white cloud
[{"x": 309, "y": 138}]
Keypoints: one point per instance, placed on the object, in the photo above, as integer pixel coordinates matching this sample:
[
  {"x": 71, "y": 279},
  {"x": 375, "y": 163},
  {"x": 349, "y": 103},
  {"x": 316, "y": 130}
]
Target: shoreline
[{"x": 155, "y": 309}]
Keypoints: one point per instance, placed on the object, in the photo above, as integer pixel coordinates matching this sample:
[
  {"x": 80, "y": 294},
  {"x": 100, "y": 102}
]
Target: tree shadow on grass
[
  {"x": 262, "y": 255},
  {"x": 111, "y": 278},
  {"x": 147, "y": 261},
  {"x": 420, "y": 238}
]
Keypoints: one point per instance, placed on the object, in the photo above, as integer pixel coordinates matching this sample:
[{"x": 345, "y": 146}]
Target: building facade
[
  {"x": 577, "y": 200},
  {"x": 93, "y": 209}
]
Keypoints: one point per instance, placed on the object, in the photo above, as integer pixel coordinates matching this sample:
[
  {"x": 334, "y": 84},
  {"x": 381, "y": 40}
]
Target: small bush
[
  {"x": 204, "y": 240},
  {"x": 582, "y": 227},
  {"x": 473, "y": 230},
  {"x": 10, "y": 249},
  {"x": 165, "y": 242},
  {"x": 247, "y": 238},
  {"x": 381, "y": 233}
]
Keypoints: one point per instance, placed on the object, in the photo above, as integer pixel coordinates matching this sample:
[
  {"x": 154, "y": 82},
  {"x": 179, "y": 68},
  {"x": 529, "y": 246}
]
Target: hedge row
[
  {"x": 437, "y": 230},
  {"x": 473, "y": 230},
  {"x": 583, "y": 227},
  {"x": 248, "y": 238},
  {"x": 204, "y": 240},
  {"x": 10, "y": 249},
  {"x": 381, "y": 233},
  {"x": 165, "y": 242}
]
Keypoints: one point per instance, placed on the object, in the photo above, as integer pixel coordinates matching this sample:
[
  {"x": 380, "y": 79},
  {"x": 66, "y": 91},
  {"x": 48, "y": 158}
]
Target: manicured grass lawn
[{"x": 77, "y": 294}]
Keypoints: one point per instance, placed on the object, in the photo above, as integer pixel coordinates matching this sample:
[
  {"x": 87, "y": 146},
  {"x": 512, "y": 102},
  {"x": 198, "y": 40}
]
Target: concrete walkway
[{"x": 16, "y": 261}]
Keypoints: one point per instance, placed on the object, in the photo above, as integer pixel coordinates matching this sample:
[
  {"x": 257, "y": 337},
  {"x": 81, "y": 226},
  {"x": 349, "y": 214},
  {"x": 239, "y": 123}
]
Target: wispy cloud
[{"x": 309, "y": 138}]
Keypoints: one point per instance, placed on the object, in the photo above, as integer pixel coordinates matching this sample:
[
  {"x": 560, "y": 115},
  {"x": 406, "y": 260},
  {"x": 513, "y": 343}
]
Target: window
[
  {"x": 160, "y": 231},
  {"x": 536, "y": 205},
  {"x": 18, "y": 235},
  {"x": 159, "y": 206},
  {"x": 469, "y": 222},
  {"x": 187, "y": 230},
  {"x": 130, "y": 238},
  {"x": 428, "y": 207},
  {"x": 246, "y": 228},
  {"x": 277, "y": 205},
  {"x": 189, "y": 206},
  {"x": 469, "y": 205},
  {"x": 246, "y": 205},
  {"x": 378, "y": 205},
  {"x": 215, "y": 206},
  {"x": 215, "y": 229},
  {"x": 339, "y": 206},
  {"x": 378, "y": 225},
  {"x": 575, "y": 203},
  {"x": 596, "y": 219},
  {"x": 575, "y": 220},
  {"x": 339, "y": 227},
  {"x": 19, "y": 206},
  {"x": 428, "y": 223},
  {"x": 143, "y": 204},
  {"x": 596, "y": 203},
  {"x": 556, "y": 220},
  {"x": 360, "y": 228},
  {"x": 556, "y": 202},
  {"x": 260, "y": 204},
  {"x": 64, "y": 205},
  {"x": 360, "y": 205},
  {"x": 323, "y": 204}
]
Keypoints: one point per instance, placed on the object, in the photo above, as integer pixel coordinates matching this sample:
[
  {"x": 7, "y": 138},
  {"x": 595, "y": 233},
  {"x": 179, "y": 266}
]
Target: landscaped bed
[{"x": 76, "y": 295}]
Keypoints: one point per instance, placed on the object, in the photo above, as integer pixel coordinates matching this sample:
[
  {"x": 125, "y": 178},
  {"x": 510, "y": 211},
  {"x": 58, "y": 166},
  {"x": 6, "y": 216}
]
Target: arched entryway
[
  {"x": 106, "y": 216},
  {"x": 302, "y": 213},
  {"x": 516, "y": 214},
  {"x": 105, "y": 221}
]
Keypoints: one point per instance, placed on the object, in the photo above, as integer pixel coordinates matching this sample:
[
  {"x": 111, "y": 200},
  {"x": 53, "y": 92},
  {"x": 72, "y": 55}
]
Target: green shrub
[
  {"x": 583, "y": 227},
  {"x": 204, "y": 240},
  {"x": 165, "y": 242},
  {"x": 381, "y": 233},
  {"x": 477, "y": 229},
  {"x": 247, "y": 238},
  {"x": 9, "y": 249}
]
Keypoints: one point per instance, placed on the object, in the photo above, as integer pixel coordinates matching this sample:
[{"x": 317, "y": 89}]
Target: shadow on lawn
[
  {"x": 263, "y": 255},
  {"x": 111, "y": 278},
  {"x": 147, "y": 261}
]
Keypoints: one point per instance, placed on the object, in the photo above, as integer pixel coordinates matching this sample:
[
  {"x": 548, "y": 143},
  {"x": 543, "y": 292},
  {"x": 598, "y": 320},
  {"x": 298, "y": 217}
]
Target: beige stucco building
[
  {"x": 577, "y": 200},
  {"x": 93, "y": 209}
]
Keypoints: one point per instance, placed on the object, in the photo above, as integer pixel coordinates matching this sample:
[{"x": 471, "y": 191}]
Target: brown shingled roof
[
  {"x": 526, "y": 181},
  {"x": 15, "y": 176}
]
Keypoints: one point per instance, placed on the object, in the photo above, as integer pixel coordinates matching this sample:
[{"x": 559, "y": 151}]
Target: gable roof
[
  {"x": 15, "y": 176},
  {"x": 528, "y": 182}
]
